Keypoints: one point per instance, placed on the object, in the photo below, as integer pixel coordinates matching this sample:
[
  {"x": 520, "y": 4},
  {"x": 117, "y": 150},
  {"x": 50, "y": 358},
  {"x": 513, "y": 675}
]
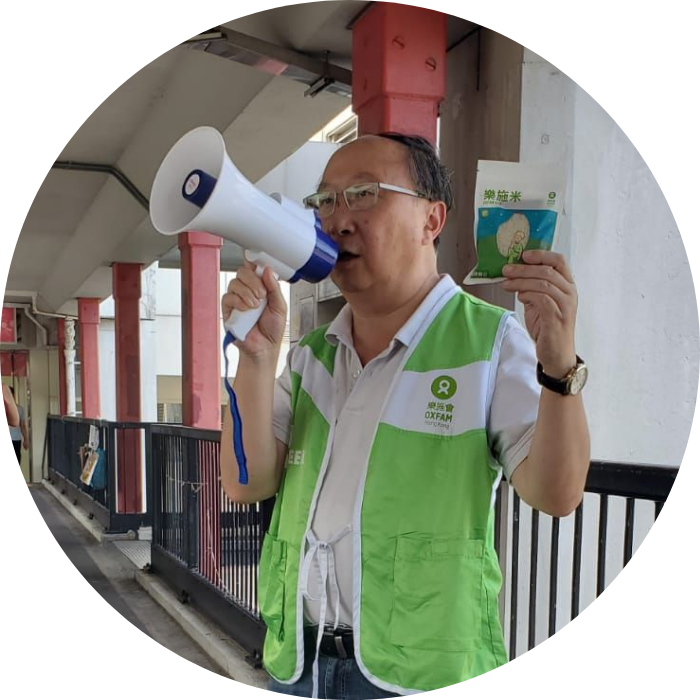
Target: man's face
[{"x": 378, "y": 245}]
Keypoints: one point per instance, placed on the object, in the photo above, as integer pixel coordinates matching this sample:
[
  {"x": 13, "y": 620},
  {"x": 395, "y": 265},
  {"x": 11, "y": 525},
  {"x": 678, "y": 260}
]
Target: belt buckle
[{"x": 340, "y": 647}]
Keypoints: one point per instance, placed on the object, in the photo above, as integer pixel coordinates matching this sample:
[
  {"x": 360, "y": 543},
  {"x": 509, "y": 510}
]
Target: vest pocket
[
  {"x": 273, "y": 565},
  {"x": 438, "y": 584}
]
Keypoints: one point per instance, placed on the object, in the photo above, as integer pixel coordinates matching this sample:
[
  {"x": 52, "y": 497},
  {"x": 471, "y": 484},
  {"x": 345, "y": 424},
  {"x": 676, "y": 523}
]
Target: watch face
[{"x": 578, "y": 381}]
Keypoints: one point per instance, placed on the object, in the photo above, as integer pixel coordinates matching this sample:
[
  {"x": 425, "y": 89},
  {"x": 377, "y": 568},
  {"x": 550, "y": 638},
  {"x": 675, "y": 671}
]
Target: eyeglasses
[{"x": 357, "y": 197}]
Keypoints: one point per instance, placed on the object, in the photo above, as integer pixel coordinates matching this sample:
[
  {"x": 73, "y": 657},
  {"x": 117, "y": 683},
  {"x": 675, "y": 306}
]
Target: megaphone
[{"x": 198, "y": 188}]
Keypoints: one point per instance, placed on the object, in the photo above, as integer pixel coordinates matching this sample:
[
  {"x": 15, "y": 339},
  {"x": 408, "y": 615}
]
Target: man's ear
[{"x": 436, "y": 216}]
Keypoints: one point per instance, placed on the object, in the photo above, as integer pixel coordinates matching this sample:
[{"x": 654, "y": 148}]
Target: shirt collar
[{"x": 340, "y": 329}]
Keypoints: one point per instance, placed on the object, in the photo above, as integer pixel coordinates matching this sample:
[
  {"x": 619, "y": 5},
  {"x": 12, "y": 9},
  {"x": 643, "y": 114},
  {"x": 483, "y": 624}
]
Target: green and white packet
[{"x": 517, "y": 207}]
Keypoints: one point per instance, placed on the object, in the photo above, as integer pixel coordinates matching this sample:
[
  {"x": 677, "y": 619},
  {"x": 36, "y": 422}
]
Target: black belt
[{"x": 336, "y": 643}]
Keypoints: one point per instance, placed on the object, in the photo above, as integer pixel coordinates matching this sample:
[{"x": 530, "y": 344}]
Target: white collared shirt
[{"x": 359, "y": 397}]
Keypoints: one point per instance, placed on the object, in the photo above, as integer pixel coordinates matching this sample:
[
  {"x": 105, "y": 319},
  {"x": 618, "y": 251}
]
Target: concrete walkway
[{"x": 140, "y": 597}]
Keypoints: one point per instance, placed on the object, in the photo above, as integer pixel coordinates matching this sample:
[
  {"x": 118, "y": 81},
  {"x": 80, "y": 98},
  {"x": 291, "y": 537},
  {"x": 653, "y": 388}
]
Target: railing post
[
  {"x": 191, "y": 502},
  {"x": 155, "y": 460},
  {"x": 148, "y": 440},
  {"x": 75, "y": 443},
  {"x": 111, "y": 456}
]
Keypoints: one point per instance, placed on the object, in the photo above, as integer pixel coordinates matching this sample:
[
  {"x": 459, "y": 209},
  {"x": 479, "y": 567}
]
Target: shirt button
[{"x": 356, "y": 374}]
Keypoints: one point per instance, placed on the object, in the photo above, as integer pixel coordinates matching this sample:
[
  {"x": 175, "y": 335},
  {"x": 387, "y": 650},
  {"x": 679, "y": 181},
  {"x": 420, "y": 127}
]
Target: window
[
  {"x": 346, "y": 132},
  {"x": 170, "y": 413}
]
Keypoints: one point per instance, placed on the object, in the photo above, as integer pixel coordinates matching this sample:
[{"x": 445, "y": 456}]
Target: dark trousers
[{"x": 338, "y": 679}]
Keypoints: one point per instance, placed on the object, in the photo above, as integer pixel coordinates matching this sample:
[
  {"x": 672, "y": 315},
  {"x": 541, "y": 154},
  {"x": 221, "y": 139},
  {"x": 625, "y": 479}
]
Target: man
[
  {"x": 387, "y": 434},
  {"x": 19, "y": 433}
]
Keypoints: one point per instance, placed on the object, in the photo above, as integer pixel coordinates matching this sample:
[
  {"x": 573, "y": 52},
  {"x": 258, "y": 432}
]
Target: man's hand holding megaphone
[
  {"x": 246, "y": 292},
  {"x": 254, "y": 384}
]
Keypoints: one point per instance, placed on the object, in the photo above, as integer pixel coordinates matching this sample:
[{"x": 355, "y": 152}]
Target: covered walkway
[{"x": 115, "y": 576}]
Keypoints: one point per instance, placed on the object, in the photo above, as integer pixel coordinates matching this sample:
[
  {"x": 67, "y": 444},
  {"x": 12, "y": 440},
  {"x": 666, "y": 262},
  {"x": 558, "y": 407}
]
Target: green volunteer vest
[{"x": 425, "y": 563}]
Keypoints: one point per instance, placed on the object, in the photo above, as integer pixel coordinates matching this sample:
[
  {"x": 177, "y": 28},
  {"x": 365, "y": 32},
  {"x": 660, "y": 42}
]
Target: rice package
[{"x": 517, "y": 207}]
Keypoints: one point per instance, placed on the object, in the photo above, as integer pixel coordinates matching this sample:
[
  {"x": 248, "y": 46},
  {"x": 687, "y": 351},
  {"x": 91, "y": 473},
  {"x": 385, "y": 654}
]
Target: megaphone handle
[{"x": 240, "y": 323}]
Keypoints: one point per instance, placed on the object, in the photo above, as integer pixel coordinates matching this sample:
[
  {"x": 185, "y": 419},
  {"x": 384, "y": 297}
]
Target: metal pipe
[
  {"x": 40, "y": 326},
  {"x": 107, "y": 170},
  {"x": 28, "y": 311},
  {"x": 35, "y": 311}
]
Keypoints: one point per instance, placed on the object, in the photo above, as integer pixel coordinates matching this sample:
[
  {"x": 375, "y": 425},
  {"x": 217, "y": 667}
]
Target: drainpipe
[
  {"x": 69, "y": 352},
  {"x": 28, "y": 310}
]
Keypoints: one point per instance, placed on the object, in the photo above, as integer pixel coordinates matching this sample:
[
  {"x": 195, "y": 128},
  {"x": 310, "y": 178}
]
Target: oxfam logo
[{"x": 444, "y": 387}]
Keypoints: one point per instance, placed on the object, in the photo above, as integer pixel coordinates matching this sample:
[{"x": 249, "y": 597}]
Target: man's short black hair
[{"x": 430, "y": 176}]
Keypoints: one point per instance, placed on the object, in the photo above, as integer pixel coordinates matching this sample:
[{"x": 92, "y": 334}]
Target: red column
[
  {"x": 89, "y": 330},
  {"x": 201, "y": 381},
  {"x": 201, "y": 358},
  {"x": 62, "y": 391},
  {"x": 398, "y": 71},
  {"x": 126, "y": 289}
]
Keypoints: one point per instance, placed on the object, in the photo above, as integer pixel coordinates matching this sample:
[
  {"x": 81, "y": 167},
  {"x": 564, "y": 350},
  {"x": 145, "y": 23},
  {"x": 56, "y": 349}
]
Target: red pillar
[
  {"x": 398, "y": 72},
  {"x": 89, "y": 330},
  {"x": 201, "y": 358},
  {"x": 62, "y": 391},
  {"x": 126, "y": 289},
  {"x": 201, "y": 380}
]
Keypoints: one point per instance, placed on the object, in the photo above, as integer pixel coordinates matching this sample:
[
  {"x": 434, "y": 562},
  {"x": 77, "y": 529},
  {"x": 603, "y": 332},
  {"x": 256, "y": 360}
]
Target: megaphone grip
[{"x": 240, "y": 323}]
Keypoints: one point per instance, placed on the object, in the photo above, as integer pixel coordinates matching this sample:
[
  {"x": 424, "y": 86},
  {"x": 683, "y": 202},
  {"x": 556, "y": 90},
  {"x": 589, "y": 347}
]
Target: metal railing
[
  {"x": 205, "y": 546},
  {"x": 122, "y": 443},
  {"x": 554, "y": 567},
  {"x": 208, "y": 548}
]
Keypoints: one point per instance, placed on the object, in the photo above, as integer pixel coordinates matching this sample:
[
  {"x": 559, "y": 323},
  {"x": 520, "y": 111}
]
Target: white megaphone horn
[{"x": 198, "y": 188}]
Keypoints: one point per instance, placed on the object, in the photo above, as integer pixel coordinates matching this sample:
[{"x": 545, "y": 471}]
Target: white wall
[
  {"x": 168, "y": 324},
  {"x": 108, "y": 369},
  {"x": 149, "y": 362},
  {"x": 299, "y": 175},
  {"x": 43, "y": 369},
  {"x": 637, "y": 323},
  {"x": 648, "y": 304}
]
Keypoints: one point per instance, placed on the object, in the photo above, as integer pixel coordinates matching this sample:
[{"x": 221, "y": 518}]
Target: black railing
[
  {"x": 208, "y": 548},
  {"x": 109, "y": 501},
  {"x": 554, "y": 567}
]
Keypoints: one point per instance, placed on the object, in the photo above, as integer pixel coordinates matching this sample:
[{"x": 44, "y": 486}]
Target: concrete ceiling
[{"x": 81, "y": 222}]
